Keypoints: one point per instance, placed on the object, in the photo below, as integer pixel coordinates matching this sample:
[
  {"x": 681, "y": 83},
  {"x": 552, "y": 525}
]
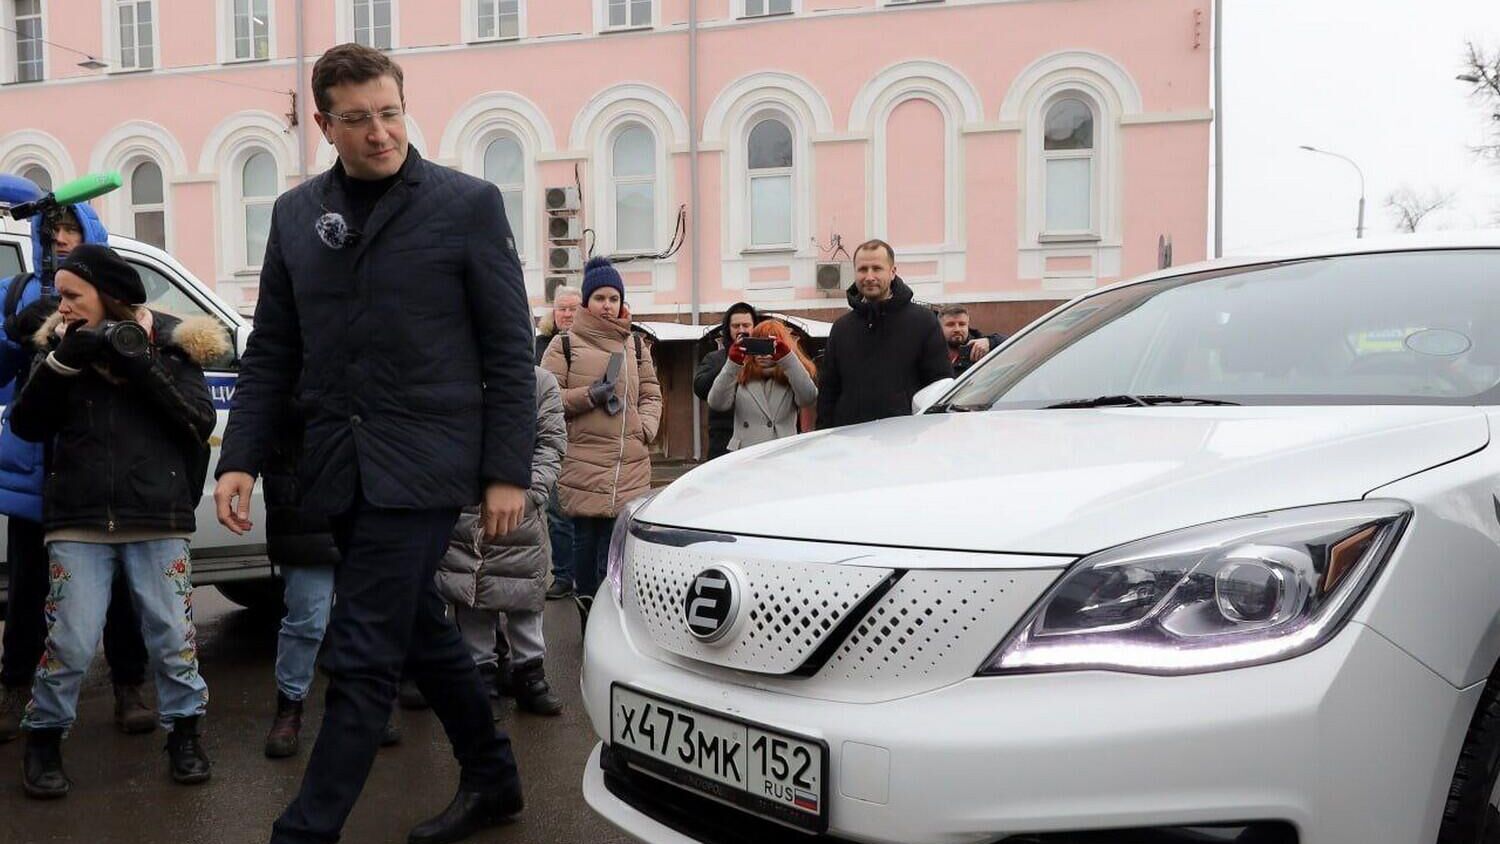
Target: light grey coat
[
  {"x": 764, "y": 409},
  {"x": 510, "y": 573}
]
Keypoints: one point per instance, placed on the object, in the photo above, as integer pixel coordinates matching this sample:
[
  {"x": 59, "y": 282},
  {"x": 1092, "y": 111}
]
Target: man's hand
[
  {"x": 232, "y": 499},
  {"x": 504, "y": 507},
  {"x": 979, "y": 348}
]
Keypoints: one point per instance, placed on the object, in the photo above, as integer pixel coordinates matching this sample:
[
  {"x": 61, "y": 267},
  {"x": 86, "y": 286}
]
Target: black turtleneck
[{"x": 362, "y": 194}]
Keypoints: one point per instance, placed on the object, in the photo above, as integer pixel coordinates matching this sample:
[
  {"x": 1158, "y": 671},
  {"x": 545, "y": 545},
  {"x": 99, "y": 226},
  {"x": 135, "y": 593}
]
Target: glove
[
  {"x": 600, "y": 391},
  {"x": 737, "y": 353},
  {"x": 22, "y": 324},
  {"x": 782, "y": 350},
  {"x": 80, "y": 346}
]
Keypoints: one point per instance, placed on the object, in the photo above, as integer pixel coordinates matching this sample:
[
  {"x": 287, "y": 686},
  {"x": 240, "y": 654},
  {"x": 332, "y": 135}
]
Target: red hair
[{"x": 776, "y": 330}]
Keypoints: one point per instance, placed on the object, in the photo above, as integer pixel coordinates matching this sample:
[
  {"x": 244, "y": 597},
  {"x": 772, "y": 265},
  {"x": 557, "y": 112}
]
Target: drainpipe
[
  {"x": 1218, "y": 13},
  {"x": 693, "y": 216},
  {"x": 301, "y": 96}
]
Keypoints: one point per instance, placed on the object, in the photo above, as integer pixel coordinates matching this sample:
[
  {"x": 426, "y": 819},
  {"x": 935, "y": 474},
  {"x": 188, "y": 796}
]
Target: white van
[{"x": 237, "y": 565}]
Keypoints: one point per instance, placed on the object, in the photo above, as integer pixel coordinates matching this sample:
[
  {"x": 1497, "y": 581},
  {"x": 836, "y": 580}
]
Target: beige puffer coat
[{"x": 608, "y": 462}]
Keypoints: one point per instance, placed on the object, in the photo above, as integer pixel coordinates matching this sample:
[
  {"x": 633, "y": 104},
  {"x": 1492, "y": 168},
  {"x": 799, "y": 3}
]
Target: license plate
[{"x": 765, "y": 771}]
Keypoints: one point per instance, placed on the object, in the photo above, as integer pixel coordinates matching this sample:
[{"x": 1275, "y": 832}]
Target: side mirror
[{"x": 929, "y": 394}]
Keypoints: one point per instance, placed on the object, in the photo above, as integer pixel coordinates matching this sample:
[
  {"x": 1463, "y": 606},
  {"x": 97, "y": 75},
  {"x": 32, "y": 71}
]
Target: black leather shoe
[
  {"x": 282, "y": 741},
  {"x": 185, "y": 756},
  {"x": 42, "y": 769},
  {"x": 470, "y": 812},
  {"x": 532, "y": 692}
]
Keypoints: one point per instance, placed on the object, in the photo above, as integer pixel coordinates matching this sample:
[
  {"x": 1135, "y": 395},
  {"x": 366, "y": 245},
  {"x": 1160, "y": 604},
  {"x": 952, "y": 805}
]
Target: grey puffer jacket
[{"x": 509, "y": 574}]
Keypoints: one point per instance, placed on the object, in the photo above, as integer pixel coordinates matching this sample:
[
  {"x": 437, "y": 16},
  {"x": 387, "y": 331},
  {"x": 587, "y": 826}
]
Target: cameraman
[
  {"x": 21, "y": 501},
  {"x": 965, "y": 345},
  {"x": 122, "y": 405}
]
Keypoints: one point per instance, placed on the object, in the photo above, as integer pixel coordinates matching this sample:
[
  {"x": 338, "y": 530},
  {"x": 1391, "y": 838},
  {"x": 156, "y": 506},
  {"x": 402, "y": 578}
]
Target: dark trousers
[
  {"x": 590, "y": 551},
  {"x": 388, "y": 621},
  {"x": 560, "y": 533},
  {"x": 26, "y": 617}
]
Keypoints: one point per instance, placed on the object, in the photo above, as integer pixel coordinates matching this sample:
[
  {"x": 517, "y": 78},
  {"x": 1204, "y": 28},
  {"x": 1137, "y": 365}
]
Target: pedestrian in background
[
  {"x": 611, "y": 420},
  {"x": 21, "y": 475},
  {"x": 764, "y": 393},
  {"x": 737, "y": 321},
  {"x": 565, "y": 304},
  {"x": 487, "y": 580},
  {"x": 966, "y": 345},
  {"x": 124, "y": 401}
]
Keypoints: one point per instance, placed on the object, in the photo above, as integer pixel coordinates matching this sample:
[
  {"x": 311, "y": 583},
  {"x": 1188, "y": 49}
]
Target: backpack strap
[{"x": 13, "y": 294}]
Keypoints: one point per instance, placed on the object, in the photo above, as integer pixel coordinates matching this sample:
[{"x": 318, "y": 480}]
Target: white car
[{"x": 1212, "y": 555}]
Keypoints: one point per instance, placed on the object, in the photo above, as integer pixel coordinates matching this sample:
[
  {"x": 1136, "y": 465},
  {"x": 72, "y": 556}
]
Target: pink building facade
[{"x": 1011, "y": 150}]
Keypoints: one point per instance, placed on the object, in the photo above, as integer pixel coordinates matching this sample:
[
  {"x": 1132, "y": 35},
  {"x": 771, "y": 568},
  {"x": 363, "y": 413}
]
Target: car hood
[{"x": 1066, "y": 482}]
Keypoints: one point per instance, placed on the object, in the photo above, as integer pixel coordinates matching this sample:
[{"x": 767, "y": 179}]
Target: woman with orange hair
[{"x": 765, "y": 391}]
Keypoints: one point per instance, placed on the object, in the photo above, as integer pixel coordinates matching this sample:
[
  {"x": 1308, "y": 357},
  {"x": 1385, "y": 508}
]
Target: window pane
[
  {"x": 127, "y": 36},
  {"x": 28, "y": 7},
  {"x": 262, "y": 22},
  {"x": 1069, "y": 194},
  {"x": 151, "y": 227},
  {"x": 361, "y": 21},
  {"x": 770, "y": 145},
  {"x": 260, "y": 175},
  {"x": 163, "y": 295},
  {"x": 39, "y": 175},
  {"x": 635, "y": 152},
  {"x": 781, "y": 6},
  {"x": 635, "y": 212},
  {"x": 257, "y": 229},
  {"x": 1070, "y": 125},
  {"x": 617, "y": 12},
  {"x": 144, "y": 56},
  {"x": 145, "y": 184},
  {"x": 510, "y": 18},
  {"x": 502, "y": 162},
  {"x": 770, "y": 210},
  {"x": 755, "y": 7},
  {"x": 143, "y": 16},
  {"x": 382, "y": 13},
  {"x": 10, "y": 260},
  {"x": 640, "y": 12},
  {"x": 515, "y": 217},
  {"x": 485, "y": 27}
]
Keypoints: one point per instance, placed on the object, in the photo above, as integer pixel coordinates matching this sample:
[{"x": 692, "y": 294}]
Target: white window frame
[
  {"x": 343, "y": 22},
  {"x": 225, "y": 23},
  {"x": 751, "y": 175},
  {"x": 241, "y": 262},
  {"x": 10, "y": 51},
  {"x": 114, "y": 49},
  {"x": 601, "y": 17},
  {"x": 526, "y": 186},
  {"x": 471, "y": 22},
  {"x": 741, "y": 10},
  {"x": 613, "y": 183},
  {"x": 131, "y": 208},
  {"x": 1092, "y": 155}
]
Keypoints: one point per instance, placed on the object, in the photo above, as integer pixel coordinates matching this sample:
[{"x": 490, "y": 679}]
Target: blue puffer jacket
[{"x": 21, "y": 461}]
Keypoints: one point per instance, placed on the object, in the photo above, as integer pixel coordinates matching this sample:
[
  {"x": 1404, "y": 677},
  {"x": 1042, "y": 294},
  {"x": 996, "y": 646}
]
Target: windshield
[{"x": 1401, "y": 328}]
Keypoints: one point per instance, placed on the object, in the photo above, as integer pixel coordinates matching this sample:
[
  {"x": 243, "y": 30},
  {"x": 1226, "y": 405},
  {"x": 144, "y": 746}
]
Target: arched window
[
  {"x": 38, "y": 175},
  {"x": 148, "y": 210},
  {"x": 1068, "y": 159},
  {"x": 633, "y": 184},
  {"x": 258, "y": 182},
  {"x": 770, "y": 174},
  {"x": 505, "y": 168}
]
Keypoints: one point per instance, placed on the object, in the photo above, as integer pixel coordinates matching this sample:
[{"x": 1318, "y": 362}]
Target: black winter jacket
[
  {"x": 877, "y": 357},
  {"x": 720, "y": 422},
  {"x": 295, "y": 536},
  {"x": 412, "y": 346},
  {"x": 126, "y": 442}
]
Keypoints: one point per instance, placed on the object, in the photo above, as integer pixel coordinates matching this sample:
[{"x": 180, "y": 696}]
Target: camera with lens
[{"x": 126, "y": 338}]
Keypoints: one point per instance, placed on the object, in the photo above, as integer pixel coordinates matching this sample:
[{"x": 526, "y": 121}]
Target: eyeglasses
[{"x": 361, "y": 119}]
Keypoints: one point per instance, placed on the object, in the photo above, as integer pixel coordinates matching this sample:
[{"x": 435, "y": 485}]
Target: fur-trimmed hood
[{"x": 201, "y": 338}]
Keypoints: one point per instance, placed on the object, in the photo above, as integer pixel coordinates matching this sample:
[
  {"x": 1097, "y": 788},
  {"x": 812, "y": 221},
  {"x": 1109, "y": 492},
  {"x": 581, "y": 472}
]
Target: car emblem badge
[{"x": 712, "y": 604}]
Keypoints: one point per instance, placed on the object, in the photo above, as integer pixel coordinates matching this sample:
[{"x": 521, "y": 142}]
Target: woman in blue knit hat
[{"x": 611, "y": 420}]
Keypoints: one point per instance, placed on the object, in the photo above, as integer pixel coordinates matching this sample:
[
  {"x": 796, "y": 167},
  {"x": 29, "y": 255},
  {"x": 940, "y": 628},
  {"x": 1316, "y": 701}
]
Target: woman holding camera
[
  {"x": 123, "y": 411},
  {"x": 612, "y": 402},
  {"x": 767, "y": 380}
]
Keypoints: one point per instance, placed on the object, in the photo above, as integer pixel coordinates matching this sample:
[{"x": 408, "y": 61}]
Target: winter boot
[
  {"x": 531, "y": 689},
  {"x": 42, "y": 766},
  {"x": 12, "y": 707},
  {"x": 132, "y": 715},
  {"x": 282, "y": 741},
  {"x": 185, "y": 756}
]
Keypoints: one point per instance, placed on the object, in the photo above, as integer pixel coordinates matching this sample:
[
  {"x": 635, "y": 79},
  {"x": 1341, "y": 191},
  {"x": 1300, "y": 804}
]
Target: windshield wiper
[{"x": 1128, "y": 400}]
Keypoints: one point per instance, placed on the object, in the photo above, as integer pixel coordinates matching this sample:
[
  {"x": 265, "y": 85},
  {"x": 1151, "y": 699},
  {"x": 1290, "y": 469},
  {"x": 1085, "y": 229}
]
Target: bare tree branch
[
  {"x": 1481, "y": 69},
  {"x": 1409, "y": 208}
]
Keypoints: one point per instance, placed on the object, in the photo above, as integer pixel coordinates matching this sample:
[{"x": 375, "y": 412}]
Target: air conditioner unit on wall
[
  {"x": 560, "y": 200},
  {"x": 833, "y": 276},
  {"x": 551, "y": 284},
  {"x": 564, "y": 229},
  {"x": 564, "y": 258}
]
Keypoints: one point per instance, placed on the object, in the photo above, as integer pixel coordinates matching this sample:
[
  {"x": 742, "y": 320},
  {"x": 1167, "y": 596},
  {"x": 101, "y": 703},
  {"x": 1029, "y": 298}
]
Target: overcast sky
[{"x": 1372, "y": 79}]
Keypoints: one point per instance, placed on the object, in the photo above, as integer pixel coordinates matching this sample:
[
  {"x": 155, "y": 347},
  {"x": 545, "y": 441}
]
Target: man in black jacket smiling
[
  {"x": 393, "y": 287},
  {"x": 883, "y": 351}
]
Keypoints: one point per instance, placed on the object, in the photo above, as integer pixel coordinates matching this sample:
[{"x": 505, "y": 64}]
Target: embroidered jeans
[{"x": 81, "y": 574}]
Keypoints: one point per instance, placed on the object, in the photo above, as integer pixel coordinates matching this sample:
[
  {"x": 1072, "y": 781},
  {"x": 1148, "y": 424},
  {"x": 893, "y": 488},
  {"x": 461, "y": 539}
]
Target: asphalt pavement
[{"x": 123, "y": 795}]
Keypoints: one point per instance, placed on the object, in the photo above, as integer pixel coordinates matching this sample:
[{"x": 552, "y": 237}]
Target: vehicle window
[
  {"x": 1413, "y": 327},
  {"x": 163, "y": 294},
  {"x": 10, "y": 260}
]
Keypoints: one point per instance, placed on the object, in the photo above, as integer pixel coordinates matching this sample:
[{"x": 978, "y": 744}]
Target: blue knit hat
[{"x": 599, "y": 272}]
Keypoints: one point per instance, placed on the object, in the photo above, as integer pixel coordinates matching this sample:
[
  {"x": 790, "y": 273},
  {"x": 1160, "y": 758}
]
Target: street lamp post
[{"x": 1359, "y": 227}]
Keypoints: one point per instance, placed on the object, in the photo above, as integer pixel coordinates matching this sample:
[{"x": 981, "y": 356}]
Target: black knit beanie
[{"x": 107, "y": 271}]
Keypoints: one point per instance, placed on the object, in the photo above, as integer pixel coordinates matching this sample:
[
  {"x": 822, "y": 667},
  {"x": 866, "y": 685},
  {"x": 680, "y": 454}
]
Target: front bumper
[{"x": 1354, "y": 742}]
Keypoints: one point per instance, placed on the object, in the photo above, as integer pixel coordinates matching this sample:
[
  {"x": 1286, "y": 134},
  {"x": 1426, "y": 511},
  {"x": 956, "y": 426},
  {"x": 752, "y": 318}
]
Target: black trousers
[
  {"x": 26, "y": 617},
  {"x": 388, "y": 621}
]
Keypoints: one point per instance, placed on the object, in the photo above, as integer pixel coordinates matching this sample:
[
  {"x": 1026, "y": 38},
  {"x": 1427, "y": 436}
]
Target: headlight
[
  {"x": 615, "y": 559},
  {"x": 1232, "y": 593}
]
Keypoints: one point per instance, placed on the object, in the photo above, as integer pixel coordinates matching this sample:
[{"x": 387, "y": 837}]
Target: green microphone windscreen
[{"x": 85, "y": 188}]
